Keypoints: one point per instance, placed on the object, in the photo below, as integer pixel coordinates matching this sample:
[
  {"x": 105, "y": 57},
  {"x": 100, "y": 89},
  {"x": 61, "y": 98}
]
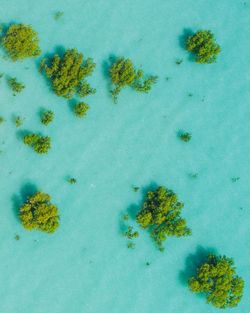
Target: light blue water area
[{"x": 86, "y": 267}]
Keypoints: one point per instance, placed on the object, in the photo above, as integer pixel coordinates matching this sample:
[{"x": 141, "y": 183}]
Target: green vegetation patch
[
  {"x": 47, "y": 117},
  {"x": 67, "y": 73},
  {"x": 123, "y": 74},
  {"x": 161, "y": 215},
  {"x": 21, "y": 41},
  {"x": 15, "y": 85},
  {"x": 204, "y": 46},
  {"x": 217, "y": 278},
  {"x": 40, "y": 144},
  {"x": 38, "y": 213},
  {"x": 81, "y": 109}
]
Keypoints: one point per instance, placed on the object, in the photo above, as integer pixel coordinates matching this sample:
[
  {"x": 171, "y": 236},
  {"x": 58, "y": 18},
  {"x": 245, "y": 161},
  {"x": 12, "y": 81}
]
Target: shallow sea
[{"x": 86, "y": 267}]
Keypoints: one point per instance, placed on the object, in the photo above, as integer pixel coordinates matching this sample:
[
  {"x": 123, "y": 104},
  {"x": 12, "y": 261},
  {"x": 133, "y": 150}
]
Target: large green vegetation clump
[
  {"x": 67, "y": 73},
  {"x": 204, "y": 46},
  {"x": 217, "y": 278},
  {"x": 38, "y": 213},
  {"x": 161, "y": 214},
  {"x": 123, "y": 74},
  {"x": 40, "y": 144},
  {"x": 21, "y": 41}
]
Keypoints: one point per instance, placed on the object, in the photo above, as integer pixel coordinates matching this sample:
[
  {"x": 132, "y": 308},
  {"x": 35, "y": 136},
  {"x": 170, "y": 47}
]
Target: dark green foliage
[
  {"x": 80, "y": 109},
  {"x": 18, "y": 121},
  {"x": 179, "y": 61},
  {"x": 17, "y": 237},
  {"x": 2, "y": 120},
  {"x": 85, "y": 89},
  {"x": 136, "y": 189},
  {"x": 15, "y": 86},
  {"x": 204, "y": 46},
  {"x": 125, "y": 217},
  {"x": 21, "y": 42},
  {"x": 131, "y": 245},
  {"x": 67, "y": 73},
  {"x": 72, "y": 181},
  {"x": 58, "y": 15},
  {"x": 130, "y": 233},
  {"x": 123, "y": 74},
  {"x": 235, "y": 179},
  {"x": 161, "y": 214},
  {"x": 185, "y": 136},
  {"x": 38, "y": 213},
  {"x": 40, "y": 144},
  {"x": 47, "y": 117},
  {"x": 217, "y": 278}
]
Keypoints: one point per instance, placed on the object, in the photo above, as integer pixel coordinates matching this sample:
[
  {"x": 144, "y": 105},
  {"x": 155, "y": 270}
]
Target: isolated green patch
[
  {"x": 38, "y": 213},
  {"x": 67, "y": 73},
  {"x": 40, "y": 144},
  {"x": 161, "y": 215},
  {"x": 204, "y": 46},
  {"x": 217, "y": 278},
  {"x": 123, "y": 74},
  {"x": 21, "y": 41}
]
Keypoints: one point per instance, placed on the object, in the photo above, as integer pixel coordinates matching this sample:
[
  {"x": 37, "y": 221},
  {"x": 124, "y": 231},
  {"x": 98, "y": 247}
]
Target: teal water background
[{"x": 85, "y": 267}]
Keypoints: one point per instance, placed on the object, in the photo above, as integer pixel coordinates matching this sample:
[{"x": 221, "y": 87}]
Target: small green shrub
[
  {"x": 123, "y": 74},
  {"x": 161, "y": 214},
  {"x": 130, "y": 233},
  {"x": 81, "y": 109},
  {"x": 185, "y": 136},
  {"x": 38, "y": 213},
  {"x": 15, "y": 85},
  {"x": 67, "y": 73},
  {"x": 40, "y": 144},
  {"x": 18, "y": 121},
  {"x": 58, "y": 15},
  {"x": 47, "y": 117},
  {"x": 217, "y": 278},
  {"x": 21, "y": 41},
  {"x": 2, "y": 120},
  {"x": 204, "y": 46},
  {"x": 72, "y": 181}
]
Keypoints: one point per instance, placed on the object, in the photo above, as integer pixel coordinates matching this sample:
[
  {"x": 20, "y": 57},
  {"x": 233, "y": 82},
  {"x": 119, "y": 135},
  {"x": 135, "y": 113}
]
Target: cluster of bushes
[
  {"x": 161, "y": 211},
  {"x": 39, "y": 213}
]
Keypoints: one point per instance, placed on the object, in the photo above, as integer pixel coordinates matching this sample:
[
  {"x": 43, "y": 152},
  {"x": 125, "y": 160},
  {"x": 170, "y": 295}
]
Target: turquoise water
[{"x": 85, "y": 266}]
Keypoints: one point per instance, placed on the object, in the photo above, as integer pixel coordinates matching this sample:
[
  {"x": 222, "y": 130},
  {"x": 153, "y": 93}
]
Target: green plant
[
  {"x": 47, "y": 117},
  {"x": 21, "y": 42},
  {"x": 72, "y": 181},
  {"x": 38, "y": 213},
  {"x": 185, "y": 136},
  {"x": 15, "y": 86},
  {"x": 81, "y": 109},
  {"x": 204, "y": 46},
  {"x": 85, "y": 89},
  {"x": 40, "y": 144},
  {"x": 131, "y": 245},
  {"x": 17, "y": 237},
  {"x": 217, "y": 278},
  {"x": 58, "y": 15},
  {"x": 125, "y": 217},
  {"x": 18, "y": 121},
  {"x": 67, "y": 73},
  {"x": 178, "y": 61},
  {"x": 123, "y": 74},
  {"x": 130, "y": 233},
  {"x": 136, "y": 189},
  {"x": 2, "y": 120},
  {"x": 161, "y": 214}
]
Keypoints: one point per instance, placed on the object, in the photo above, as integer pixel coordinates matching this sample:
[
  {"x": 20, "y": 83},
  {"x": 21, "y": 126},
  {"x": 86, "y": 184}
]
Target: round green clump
[
  {"x": 38, "y": 213},
  {"x": 204, "y": 46},
  {"x": 40, "y": 144},
  {"x": 21, "y": 42},
  {"x": 81, "y": 109},
  {"x": 15, "y": 85},
  {"x": 67, "y": 73},
  {"x": 161, "y": 214},
  {"x": 123, "y": 74},
  {"x": 217, "y": 278},
  {"x": 47, "y": 117}
]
